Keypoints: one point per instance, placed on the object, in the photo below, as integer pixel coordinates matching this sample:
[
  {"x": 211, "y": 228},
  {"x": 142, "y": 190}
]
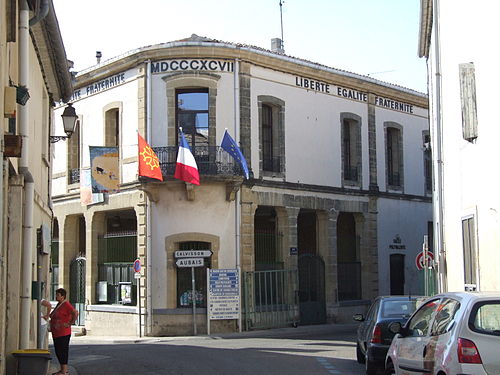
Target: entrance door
[
  {"x": 312, "y": 289},
  {"x": 77, "y": 288},
  {"x": 397, "y": 264}
]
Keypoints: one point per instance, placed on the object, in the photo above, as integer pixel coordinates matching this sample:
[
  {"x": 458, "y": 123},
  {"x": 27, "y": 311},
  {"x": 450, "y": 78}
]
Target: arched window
[
  {"x": 112, "y": 127},
  {"x": 192, "y": 115},
  {"x": 74, "y": 155},
  {"x": 272, "y": 134},
  {"x": 394, "y": 155},
  {"x": 351, "y": 148}
]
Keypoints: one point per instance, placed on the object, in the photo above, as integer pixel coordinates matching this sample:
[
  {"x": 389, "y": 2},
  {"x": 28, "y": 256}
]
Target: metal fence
[
  {"x": 270, "y": 299},
  {"x": 211, "y": 160}
]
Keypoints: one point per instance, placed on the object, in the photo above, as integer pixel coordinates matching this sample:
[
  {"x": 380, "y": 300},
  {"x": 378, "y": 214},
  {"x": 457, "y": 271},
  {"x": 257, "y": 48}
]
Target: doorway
[
  {"x": 312, "y": 302},
  {"x": 77, "y": 288},
  {"x": 397, "y": 271}
]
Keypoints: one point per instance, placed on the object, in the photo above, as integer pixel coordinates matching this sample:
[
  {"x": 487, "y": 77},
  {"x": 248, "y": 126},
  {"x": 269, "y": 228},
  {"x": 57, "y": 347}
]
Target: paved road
[{"x": 324, "y": 349}]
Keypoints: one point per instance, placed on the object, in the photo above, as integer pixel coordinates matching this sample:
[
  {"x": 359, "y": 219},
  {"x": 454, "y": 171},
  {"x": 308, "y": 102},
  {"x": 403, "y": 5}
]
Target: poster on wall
[
  {"x": 86, "y": 196},
  {"x": 105, "y": 170}
]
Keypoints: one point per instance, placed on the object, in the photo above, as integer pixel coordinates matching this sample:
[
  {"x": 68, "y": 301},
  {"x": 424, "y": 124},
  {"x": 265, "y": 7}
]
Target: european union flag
[{"x": 229, "y": 145}]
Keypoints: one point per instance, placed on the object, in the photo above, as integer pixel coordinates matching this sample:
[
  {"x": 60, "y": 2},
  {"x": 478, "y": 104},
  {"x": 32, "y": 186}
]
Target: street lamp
[{"x": 69, "y": 118}]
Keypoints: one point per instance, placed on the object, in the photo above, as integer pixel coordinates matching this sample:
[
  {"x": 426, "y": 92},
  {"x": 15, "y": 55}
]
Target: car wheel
[
  {"x": 359, "y": 354},
  {"x": 370, "y": 367},
  {"x": 389, "y": 369}
]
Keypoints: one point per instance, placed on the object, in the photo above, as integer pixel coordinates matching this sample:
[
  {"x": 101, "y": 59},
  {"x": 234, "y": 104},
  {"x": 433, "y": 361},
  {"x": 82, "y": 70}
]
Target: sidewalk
[
  {"x": 265, "y": 333},
  {"x": 54, "y": 365}
]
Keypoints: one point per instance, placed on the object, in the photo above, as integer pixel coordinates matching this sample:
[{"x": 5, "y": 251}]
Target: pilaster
[
  {"x": 327, "y": 222},
  {"x": 287, "y": 224}
]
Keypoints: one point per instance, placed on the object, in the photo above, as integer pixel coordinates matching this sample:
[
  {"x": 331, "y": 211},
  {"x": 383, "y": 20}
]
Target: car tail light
[
  {"x": 377, "y": 335},
  {"x": 467, "y": 352}
]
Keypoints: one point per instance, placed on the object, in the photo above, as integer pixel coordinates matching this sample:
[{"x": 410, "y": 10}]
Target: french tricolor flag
[{"x": 186, "y": 168}]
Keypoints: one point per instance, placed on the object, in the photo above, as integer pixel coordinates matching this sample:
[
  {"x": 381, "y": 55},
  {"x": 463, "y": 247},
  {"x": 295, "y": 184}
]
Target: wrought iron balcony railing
[
  {"x": 211, "y": 161},
  {"x": 272, "y": 164},
  {"x": 350, "y": 173},
  {"x": 394, "y": 179},
  {"x": 74, "y": 175}
]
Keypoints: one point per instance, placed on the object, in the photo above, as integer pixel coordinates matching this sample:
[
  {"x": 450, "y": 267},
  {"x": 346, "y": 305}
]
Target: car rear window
[
  {"x": 397, "y": 309},
  {"x": 485, "y": 318}
]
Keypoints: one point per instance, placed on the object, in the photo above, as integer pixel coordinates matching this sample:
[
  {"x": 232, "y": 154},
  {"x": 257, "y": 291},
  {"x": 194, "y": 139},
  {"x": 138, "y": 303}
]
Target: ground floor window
[
  {"x": 184, "y": 278},
  {"x": 116, "y": 283}
]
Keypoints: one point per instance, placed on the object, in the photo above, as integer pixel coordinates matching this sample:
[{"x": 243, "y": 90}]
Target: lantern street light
[{"x": 69, "y": 118}]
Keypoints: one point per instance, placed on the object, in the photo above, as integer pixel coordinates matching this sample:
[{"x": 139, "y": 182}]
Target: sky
[{"x": 378, "y": 38}]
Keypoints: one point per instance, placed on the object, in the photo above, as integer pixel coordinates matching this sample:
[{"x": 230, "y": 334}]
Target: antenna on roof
[
  {"x": 281, "y": 17},
  {"x": 384, "y": 71},
  {"x": 277, "y": 43}
]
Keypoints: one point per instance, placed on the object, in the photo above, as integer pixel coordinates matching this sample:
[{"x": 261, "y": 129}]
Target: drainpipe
[
  {"x": 439, "y": 211},
  {"x": 149, "y": 281},
  {"x": 237, "y": 207},
  {"x": 42, "y": 13},
  {"x": 29, "y": 186}
]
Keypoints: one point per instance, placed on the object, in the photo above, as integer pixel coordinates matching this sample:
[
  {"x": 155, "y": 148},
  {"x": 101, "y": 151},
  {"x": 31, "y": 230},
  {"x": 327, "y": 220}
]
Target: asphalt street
[{"x": 320, "y": 349}]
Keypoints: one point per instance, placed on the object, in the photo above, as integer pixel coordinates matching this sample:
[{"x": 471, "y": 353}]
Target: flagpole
[
  {"x": 237, "y": 208},
  {"x": 149, "y": 281}
]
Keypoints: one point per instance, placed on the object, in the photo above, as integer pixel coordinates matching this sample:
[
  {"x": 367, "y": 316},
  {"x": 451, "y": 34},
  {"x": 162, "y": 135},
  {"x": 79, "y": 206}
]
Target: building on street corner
[
  {"x": 462, "y": 82},
  {"x": 34, "y": 75},
  {"x": 333, "y": 212}
]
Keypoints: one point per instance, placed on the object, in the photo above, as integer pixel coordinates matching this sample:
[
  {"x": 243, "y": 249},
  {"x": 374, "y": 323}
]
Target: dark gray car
[{"x": 374, "y": 337}]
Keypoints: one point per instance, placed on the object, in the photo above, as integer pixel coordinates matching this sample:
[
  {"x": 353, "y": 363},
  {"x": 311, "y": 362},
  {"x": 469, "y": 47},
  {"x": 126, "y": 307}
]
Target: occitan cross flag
[{"x": 149, "y": 165}]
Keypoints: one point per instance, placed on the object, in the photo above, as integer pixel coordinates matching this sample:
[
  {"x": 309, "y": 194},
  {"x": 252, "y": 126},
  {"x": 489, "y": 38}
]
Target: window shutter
[{"x": 468, "y": 100}]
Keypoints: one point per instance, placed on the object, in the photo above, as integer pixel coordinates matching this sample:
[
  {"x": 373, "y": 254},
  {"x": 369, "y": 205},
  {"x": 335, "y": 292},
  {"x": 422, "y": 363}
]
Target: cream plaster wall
[
  {"x": 471, "y": 177},
  {"x": 210, "y": 213},
  {"x": 90, "y": 109}
]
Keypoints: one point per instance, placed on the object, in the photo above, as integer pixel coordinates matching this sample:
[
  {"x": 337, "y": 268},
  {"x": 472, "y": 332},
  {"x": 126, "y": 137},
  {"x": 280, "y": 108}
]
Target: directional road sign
[
  {"x": 193, "y": 253},
  {"x": 189, "y": 262}
]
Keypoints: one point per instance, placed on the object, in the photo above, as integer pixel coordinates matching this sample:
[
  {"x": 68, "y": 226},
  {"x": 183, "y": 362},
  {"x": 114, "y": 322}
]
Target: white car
[{"x": 450, "y": 334}]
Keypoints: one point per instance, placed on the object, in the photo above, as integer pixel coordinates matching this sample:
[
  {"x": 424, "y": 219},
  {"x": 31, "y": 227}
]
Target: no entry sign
[{"x": 420, "y": 261}]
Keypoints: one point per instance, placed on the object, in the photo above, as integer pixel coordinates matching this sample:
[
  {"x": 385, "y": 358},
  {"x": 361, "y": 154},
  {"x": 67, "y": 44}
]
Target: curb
[{"x": 266, "y": 333}]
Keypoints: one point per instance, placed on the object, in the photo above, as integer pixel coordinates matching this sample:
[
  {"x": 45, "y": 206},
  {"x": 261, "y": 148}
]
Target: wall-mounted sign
[
  {"x": 223, "y": 294},
  {"x": 393, "y": 104},
  {"x": 421, "y": 262},
  {"x": 193, "y": 253},
  {"x": 189, "y": 262},
  {"x": 348, "y": 93},
  {"x": 397, "y": 244},
  {"x": 192, "y": 64}
]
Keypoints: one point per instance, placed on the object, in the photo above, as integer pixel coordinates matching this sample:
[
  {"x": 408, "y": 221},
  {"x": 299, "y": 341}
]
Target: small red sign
[
  {"x": 420, "y": 260},
  {"x": 137, "y": 265}
]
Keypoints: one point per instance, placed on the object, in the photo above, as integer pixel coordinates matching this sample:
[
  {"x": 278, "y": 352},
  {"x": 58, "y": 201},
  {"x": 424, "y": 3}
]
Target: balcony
[
  {"x": 211, "y": 161},
  {"x": 271, "y": 164},
  {"x": 394, "y": 179},
  {"x": 351, "y": 173},
  {"x": 74, "y": 175}
]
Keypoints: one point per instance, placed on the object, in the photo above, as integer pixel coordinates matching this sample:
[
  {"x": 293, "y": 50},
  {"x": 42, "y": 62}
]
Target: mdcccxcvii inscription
[{"x": 191, "y": 64}]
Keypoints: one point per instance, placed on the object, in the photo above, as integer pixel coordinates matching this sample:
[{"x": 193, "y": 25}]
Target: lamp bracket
[{"x": 57, "y": 138}]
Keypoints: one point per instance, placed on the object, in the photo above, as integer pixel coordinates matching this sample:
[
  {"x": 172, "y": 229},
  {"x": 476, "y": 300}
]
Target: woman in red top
[{"x": 61, "y": 319}]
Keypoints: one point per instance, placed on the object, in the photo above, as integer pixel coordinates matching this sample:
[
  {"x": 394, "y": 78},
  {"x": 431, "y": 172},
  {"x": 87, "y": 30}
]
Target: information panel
[{"x": 223, "y": 294}]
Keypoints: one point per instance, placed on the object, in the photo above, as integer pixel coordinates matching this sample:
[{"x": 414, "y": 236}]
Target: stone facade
[{"x": 296, "y": 214}]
